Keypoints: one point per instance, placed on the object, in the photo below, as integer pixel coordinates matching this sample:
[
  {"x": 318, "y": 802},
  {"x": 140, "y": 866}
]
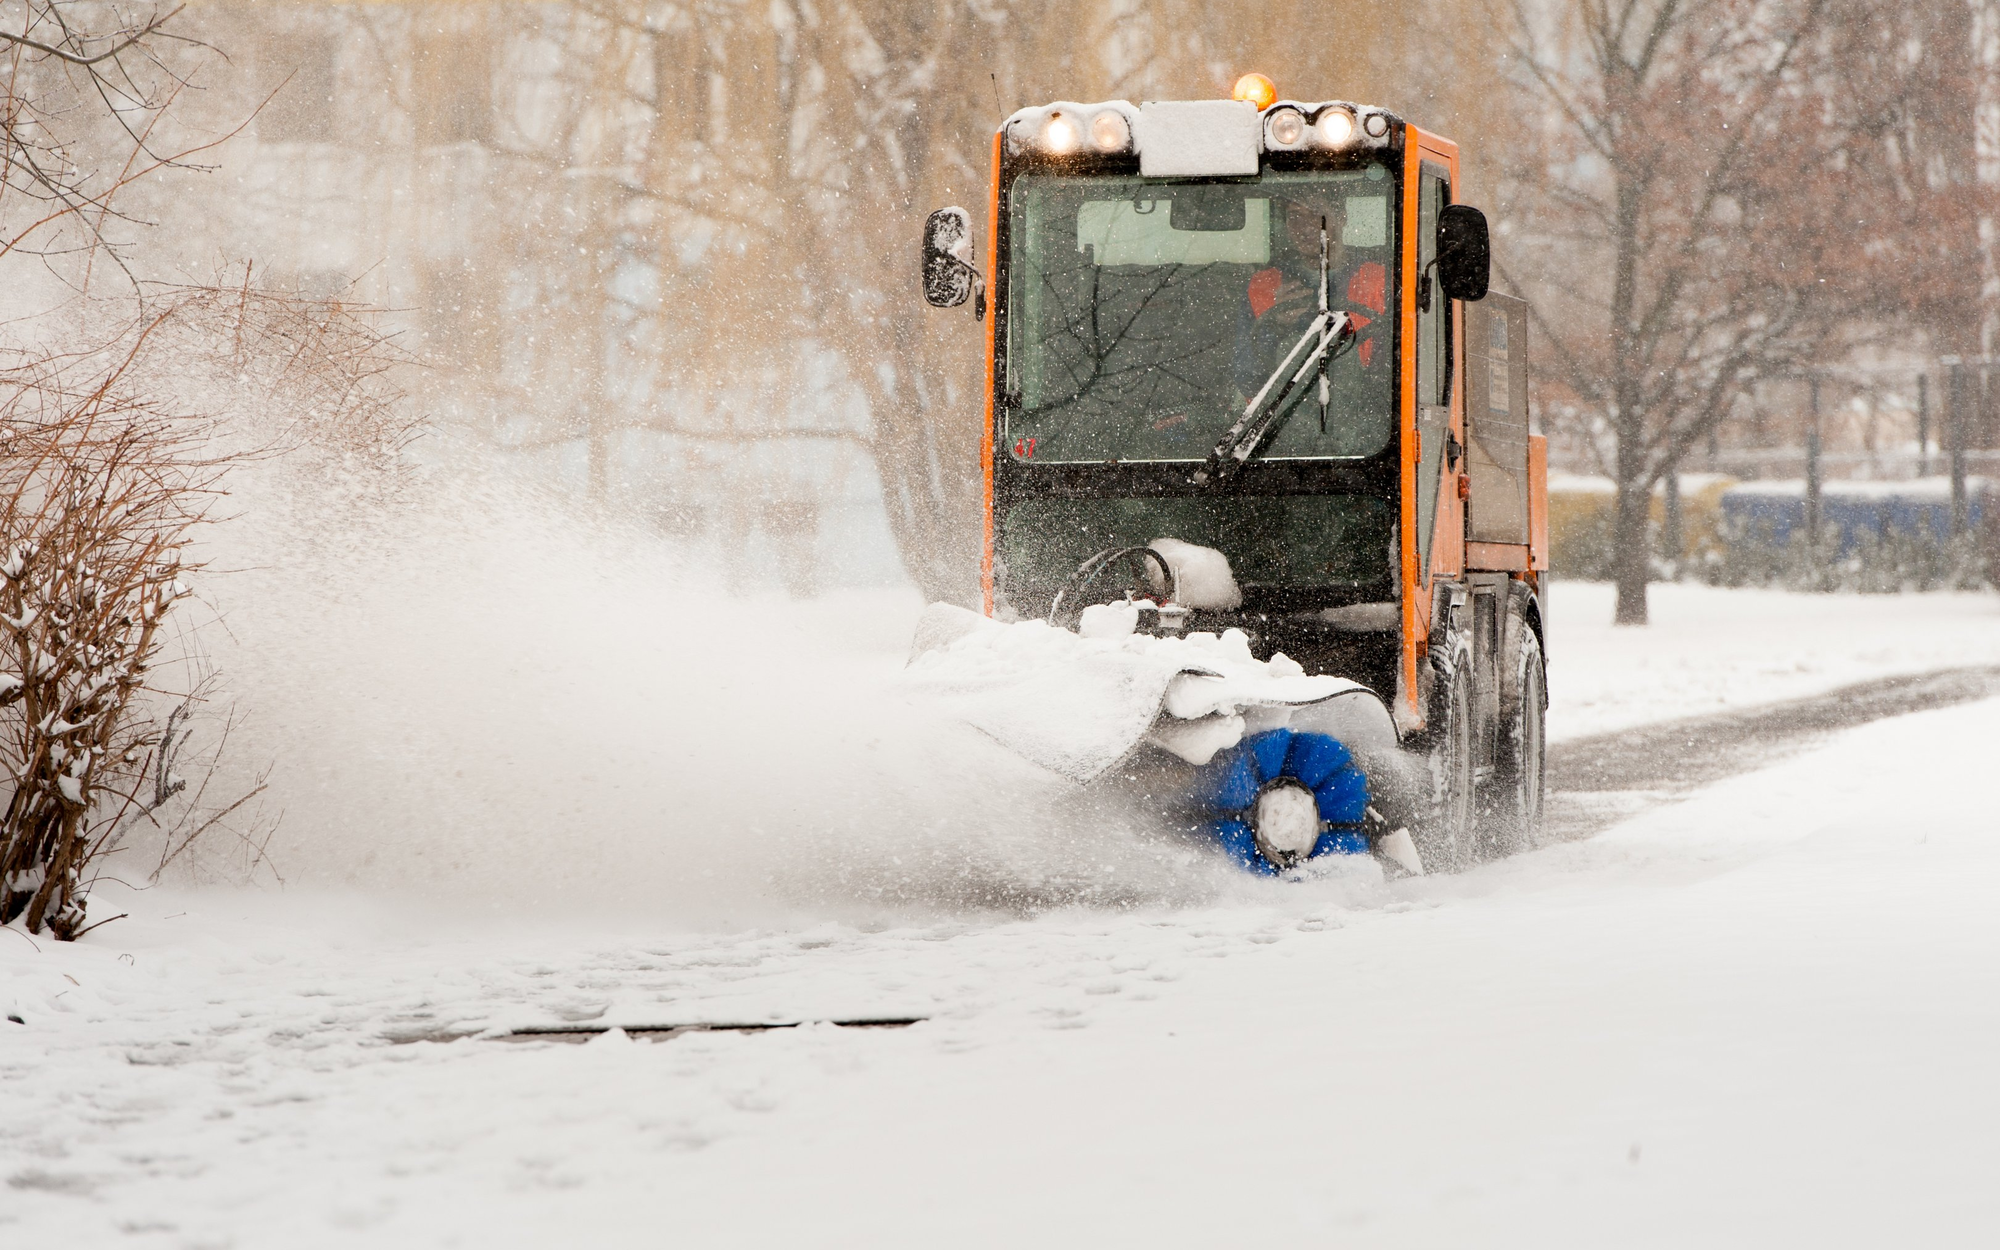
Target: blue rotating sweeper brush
[{"x": 1280, "y": 797}]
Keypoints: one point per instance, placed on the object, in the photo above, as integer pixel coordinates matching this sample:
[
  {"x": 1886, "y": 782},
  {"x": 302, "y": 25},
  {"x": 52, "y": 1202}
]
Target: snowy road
[
  {"x": 1595, "y": 782},
  {"x": 1761, "y": 1014}
]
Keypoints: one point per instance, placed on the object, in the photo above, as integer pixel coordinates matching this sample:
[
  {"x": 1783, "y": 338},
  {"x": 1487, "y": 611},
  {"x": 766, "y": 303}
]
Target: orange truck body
[{"x": 1463, "y": 561}]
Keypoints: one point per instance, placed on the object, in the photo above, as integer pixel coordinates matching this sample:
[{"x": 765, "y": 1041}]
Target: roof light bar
[
  {"x": 1067, "y": 130},
  {"x": 1110, "y": 132},
  {"x": 1335, "y": 127},
  {"x": 1256, "y": 89}
]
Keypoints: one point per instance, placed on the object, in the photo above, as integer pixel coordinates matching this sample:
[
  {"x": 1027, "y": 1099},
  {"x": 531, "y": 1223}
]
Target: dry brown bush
[
  {"x": 315, "y": 380},
  {"x": 99, "y": 489},
  {"x": 111, "y": 461},
  {"x": 113, "y": 456}
]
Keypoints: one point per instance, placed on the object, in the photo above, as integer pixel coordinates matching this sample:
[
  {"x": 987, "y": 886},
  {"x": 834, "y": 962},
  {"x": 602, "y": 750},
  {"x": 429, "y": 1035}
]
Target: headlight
[
  {"x": 1336, "y": 127},
  {"x": 1376, "y": 124},
  {"x": 1110, "y": 131},
  {"x": 1288, "y": 126},
  {"x": 1059, "y": 134}
]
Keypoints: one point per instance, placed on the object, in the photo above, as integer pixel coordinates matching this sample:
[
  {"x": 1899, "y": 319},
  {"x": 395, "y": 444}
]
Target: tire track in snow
[{"x": 1596, "y": 782}]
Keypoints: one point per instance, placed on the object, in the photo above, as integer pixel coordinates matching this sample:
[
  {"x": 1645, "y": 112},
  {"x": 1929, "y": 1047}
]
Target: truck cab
[{"x": 1262, "y": 326}]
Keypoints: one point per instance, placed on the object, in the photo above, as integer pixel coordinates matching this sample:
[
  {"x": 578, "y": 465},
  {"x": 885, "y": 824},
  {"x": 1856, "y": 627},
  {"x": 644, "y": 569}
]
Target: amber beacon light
[{"x": 1257, "y": 89}]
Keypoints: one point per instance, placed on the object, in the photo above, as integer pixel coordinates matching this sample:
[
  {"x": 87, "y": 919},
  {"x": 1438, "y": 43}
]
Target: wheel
[
  {"x": 1512, "y": 809},
  {"x": 1445, "y": 832}
]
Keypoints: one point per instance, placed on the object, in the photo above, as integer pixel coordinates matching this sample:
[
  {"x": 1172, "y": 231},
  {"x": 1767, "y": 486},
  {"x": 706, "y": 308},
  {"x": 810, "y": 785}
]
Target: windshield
[{"x": 1144, "y": 314}]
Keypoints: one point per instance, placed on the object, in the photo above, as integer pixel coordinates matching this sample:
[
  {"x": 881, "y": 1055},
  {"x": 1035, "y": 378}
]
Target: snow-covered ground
[
  {"x": 1760, "y": 1016},
  {"x": 1710, "y": 650}
]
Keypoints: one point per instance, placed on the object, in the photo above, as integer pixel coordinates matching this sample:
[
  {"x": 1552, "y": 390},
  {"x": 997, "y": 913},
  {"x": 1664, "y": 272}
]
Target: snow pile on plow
[{"x": 1079, "y": 702}]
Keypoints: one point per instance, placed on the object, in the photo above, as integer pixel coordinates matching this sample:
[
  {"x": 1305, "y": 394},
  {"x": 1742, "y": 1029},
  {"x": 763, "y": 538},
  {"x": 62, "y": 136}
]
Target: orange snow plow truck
[{"x": 1248, "y": 394}]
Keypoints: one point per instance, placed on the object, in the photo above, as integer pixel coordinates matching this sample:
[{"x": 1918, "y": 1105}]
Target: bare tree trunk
[
  {"x": 1630, "y": 549},
  {"x": 1986, "y": 161},
  {"x": 1629, "y": 553},
  {"x": 1673, "y": 536}
]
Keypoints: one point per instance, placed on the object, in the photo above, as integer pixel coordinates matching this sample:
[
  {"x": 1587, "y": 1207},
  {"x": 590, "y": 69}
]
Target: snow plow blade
[
  {"x": 1078, "y": 706},
  {"x": 1235, "y": 729}
]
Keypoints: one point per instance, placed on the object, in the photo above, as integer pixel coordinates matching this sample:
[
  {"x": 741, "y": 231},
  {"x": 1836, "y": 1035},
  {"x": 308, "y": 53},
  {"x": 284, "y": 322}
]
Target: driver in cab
[{"x": 1281, "y": 301}]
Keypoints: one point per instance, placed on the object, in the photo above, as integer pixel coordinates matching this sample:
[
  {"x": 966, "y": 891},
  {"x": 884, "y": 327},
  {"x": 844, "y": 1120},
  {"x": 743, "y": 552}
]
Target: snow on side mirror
[
  {"x": 1465, "y": 253},
  {"x": 949, "y": 276}
]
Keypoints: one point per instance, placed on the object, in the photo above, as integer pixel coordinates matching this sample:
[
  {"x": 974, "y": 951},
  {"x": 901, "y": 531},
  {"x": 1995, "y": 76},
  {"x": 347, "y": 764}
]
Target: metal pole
[
  {"x": 1812, "y": 471},
  {"x": 1955, "y": 437},
  {"x": 1985, "y": 127},
  {"x": 1979, "y": 429},
  {"x": 1923, "y": 425},
  {"x": 1673, "y": 542}
]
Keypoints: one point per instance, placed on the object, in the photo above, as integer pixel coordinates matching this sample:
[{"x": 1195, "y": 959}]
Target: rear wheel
[
  {"x": 1445, "y": 832},
  {"x": 1513, "y": 798}
]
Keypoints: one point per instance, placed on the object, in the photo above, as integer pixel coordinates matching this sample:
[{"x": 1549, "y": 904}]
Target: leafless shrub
[
  {"x": 111, "y": 461},
  {"x": 114, "y": 456},
  {"x": 99, "y": 490},
  {"x": 314, "y": 379}
]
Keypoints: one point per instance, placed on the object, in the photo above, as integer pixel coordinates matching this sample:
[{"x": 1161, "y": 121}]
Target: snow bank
[{"x": 1709, "y": 649}]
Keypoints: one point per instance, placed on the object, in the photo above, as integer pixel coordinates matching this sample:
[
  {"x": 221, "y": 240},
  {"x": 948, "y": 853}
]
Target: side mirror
[
  {"x": 1465, "y": 253},
  {"x": 948, "y": 273}
]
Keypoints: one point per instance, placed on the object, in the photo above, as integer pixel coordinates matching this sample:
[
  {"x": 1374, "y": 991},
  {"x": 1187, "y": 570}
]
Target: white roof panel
[{"x": 1198, "y": 138}]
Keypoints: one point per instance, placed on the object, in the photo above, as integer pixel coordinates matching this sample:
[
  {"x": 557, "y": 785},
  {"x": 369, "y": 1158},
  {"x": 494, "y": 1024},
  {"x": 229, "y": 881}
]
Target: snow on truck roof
[{"x": 1197, "y": 138}]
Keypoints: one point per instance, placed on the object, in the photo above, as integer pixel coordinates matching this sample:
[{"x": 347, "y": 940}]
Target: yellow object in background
[{"x": 1583, "y": 515}]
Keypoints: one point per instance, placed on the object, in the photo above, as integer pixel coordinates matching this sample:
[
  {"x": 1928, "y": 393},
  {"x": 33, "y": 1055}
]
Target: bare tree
[
  {"x": 1943, "y": 142},
  {"x": 1710, "y": 208},
  {"x": 84, "y": 89},
  {"x": 99, "y": 490}
]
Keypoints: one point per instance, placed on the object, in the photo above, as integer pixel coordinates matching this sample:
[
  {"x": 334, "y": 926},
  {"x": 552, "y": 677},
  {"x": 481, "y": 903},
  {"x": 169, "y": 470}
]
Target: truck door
[{"x": 1434, "y": 358}]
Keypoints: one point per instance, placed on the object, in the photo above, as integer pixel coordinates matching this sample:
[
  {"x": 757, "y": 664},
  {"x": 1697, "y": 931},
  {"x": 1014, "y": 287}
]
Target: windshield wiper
[{"x": 1276, "y": 400}]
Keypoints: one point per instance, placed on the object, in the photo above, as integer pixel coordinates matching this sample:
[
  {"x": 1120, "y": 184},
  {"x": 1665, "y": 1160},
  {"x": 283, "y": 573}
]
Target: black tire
[
  {"x": 1446, "y": 833},
  {"x": 1513, "y": 799}
]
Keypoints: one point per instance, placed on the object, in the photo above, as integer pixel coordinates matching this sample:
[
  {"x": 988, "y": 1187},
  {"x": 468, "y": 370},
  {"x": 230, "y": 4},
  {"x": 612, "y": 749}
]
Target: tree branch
[{"x": 132, "y": 40}]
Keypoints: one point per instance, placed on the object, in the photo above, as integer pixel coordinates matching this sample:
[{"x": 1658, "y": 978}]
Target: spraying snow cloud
[{"x": 474, "y": 698}]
